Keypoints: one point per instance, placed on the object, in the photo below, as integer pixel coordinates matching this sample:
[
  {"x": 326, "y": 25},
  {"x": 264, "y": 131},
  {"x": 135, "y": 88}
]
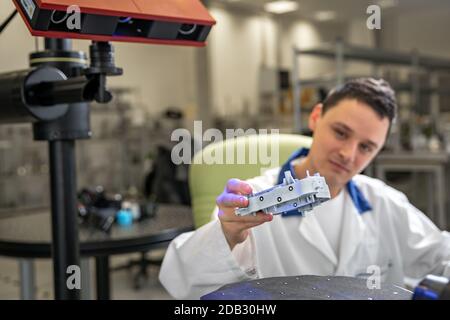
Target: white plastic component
[{"x": 293, "y": 194}]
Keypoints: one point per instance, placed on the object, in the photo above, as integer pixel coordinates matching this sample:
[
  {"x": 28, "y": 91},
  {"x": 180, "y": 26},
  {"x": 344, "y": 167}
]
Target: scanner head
[{"x": 176, "y": 22}]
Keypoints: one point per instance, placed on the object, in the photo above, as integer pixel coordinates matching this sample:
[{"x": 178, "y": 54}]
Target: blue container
[{"x": 124, "y": 218}]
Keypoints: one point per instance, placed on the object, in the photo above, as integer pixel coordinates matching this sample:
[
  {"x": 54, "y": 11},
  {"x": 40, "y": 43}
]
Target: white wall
[
  {"x": 163, "y": 74},
  {"x": 239, "y": 44},
  {"x": 358, "y": 34},
  {"x": 304, "y": 35},
  {"x": 425, "y": 31},
  {"x": 15, "y": 41}
]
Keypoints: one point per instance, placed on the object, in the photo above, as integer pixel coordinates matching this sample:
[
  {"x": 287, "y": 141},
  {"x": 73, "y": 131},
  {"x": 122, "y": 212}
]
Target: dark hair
[{"x": 377, "y": 94}]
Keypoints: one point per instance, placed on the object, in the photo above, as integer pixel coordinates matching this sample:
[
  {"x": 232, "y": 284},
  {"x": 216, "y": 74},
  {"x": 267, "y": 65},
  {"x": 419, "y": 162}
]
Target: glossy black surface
[{"x": 30, "y": 235}]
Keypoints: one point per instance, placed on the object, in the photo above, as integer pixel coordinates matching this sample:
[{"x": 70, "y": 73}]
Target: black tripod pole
[
  {"x": 61, "y": 135},
  {"x": 65, "y": 244}
]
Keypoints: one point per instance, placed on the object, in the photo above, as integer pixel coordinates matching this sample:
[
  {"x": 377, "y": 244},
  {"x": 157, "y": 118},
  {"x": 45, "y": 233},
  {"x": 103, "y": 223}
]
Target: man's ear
[{"x": 314, "y": 116}]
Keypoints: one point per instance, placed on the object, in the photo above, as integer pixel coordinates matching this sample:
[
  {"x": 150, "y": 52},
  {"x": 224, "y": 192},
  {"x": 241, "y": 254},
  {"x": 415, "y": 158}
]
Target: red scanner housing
[{"x": 176, "y": 22}]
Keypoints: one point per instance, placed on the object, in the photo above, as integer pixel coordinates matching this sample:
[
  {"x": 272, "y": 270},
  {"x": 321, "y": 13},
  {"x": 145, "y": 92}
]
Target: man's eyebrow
[
  {"x": 373, "y": 144},
  {"x": 343, "y": 126},
  {"x": 348, "y": 129}
]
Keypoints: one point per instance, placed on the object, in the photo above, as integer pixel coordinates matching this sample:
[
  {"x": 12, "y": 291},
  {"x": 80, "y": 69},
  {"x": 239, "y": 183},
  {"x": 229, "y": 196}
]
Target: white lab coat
[{"x": 394, "y": 236}]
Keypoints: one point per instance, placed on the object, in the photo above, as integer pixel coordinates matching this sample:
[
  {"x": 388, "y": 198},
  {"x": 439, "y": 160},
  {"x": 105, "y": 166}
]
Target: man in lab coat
[{"x": 367, "y": 227}]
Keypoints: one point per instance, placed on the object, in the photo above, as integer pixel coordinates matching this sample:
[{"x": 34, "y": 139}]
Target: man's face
[{"x": 346, "y": 138}]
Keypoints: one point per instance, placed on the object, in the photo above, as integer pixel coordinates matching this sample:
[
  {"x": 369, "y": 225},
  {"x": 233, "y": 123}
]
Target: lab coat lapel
[
  {"x": 310, "y": 229},
  {"x": 352, "y": 233}
]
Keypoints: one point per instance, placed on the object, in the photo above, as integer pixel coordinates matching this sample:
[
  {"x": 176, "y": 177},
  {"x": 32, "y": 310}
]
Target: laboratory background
[{"x": 264, "y": 66}]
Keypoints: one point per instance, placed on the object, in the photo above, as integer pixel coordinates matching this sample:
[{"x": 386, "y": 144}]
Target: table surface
[
  {"x": 308, "y": 287},
  {"x": 29, "y": 235}
]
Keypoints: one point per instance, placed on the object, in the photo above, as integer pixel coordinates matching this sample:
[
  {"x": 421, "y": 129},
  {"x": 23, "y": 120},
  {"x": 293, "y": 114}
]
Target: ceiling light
[
  {"x": 325, "y": 15},
  {"x": 280, "y": 7}
]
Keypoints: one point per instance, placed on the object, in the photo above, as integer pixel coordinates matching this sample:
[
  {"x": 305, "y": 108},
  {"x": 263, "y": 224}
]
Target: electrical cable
[{"x": 7, "y": 21}]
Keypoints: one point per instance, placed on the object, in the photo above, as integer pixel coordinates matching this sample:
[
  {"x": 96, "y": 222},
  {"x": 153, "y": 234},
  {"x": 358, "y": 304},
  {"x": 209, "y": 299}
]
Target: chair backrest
[{"x": 207, "y": 181}]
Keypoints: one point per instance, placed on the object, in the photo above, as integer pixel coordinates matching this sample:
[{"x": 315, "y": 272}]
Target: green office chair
[{"x": 206, "y": 181}]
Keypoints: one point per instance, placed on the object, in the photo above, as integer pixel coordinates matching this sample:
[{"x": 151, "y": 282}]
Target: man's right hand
[{"x": 236, "y": 228}]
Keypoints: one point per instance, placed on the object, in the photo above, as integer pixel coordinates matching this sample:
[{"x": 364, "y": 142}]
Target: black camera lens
[
  {"x": 125, "y": 19},
  {"x": 187, "y": 29},
  {"x": 58, "y": 16}
]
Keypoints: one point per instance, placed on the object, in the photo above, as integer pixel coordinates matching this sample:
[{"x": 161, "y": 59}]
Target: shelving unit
[
  {"x": 113, "y": 158},
  {"x": 398, "y": 160},
  {"x": 342, "y": 52}
]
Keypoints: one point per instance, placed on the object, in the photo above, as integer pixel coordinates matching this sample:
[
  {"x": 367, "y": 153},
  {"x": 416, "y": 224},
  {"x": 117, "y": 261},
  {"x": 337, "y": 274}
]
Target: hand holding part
[{"x": 293, "y": 194}]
